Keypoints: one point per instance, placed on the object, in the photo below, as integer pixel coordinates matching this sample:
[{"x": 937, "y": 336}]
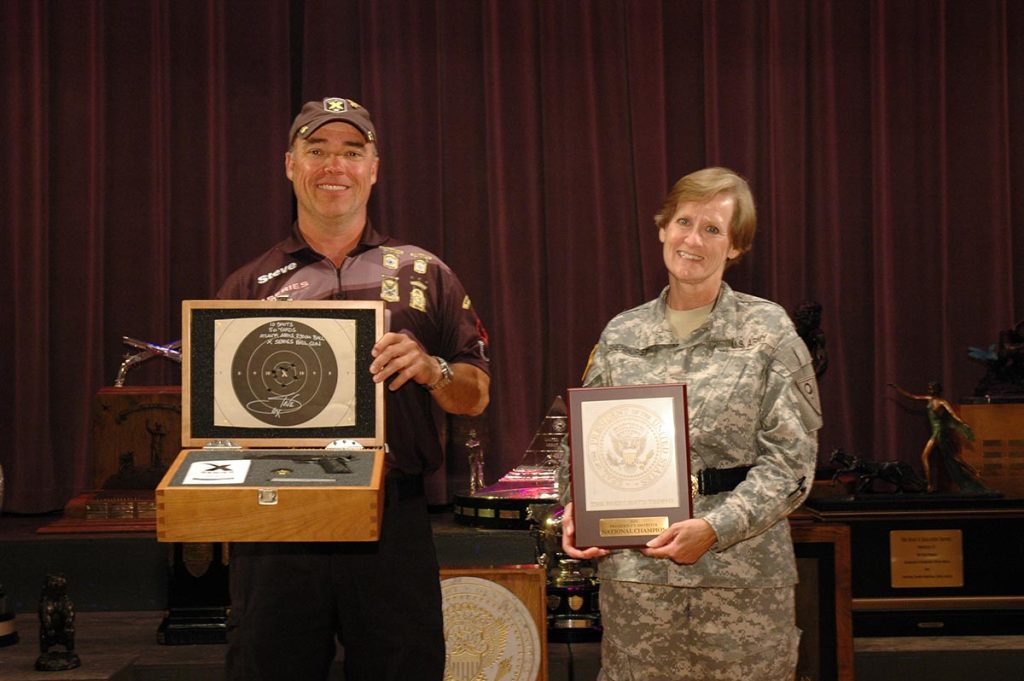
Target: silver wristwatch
[{"x": 446, "y": 375}]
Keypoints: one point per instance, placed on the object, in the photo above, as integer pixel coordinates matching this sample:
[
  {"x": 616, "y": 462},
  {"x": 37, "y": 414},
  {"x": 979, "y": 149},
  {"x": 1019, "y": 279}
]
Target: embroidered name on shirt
[
  {"x": 627, "y": 350},
  {"x": 264, "y": 278}
]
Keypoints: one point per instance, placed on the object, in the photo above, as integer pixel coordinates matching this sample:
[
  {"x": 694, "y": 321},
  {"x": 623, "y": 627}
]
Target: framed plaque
[{"x": 630, "y": 463}]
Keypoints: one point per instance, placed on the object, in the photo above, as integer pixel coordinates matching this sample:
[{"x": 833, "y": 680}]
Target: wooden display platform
[
  {"x": 823, "y": 599},
  {"x": 525, "y": 582},
  {"x": 997, "y": 451}
]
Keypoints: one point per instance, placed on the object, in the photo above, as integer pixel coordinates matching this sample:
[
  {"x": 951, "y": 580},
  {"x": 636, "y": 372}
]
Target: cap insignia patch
[{"x": 336, "y": 105}]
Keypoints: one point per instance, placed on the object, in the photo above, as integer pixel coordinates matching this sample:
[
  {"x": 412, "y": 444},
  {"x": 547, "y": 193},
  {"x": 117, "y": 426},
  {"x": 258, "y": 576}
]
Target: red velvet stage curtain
[{"x": 529, "y": 144}]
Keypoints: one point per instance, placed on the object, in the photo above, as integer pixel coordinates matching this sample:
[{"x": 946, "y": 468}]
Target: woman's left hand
[{"x": 684, "y": 542}]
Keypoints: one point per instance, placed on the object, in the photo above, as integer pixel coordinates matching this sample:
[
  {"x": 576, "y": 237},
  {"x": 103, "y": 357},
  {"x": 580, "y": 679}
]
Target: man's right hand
[{"x": 569, "y": 539}]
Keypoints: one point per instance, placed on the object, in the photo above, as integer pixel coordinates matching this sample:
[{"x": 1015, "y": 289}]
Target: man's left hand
[{"x": 398, "y": 355}]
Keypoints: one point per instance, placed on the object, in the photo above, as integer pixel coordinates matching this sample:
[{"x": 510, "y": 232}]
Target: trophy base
[
  {"x": 107, "y": 511},
  {"x": 57, "y": 661},
  {"x": 8, "y": 632},
  {"x": 495, "y": 512},
  {"x": 573, "y": 630},
  {"x": 188, "y": 626},
  {"x": 504, "y": 504}
]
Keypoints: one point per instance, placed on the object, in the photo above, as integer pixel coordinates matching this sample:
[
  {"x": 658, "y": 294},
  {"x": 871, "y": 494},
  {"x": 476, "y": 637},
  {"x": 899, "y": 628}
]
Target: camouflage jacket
[{"x": 753, "y": 401}]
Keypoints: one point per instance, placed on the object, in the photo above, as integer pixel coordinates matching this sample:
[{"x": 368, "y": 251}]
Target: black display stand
[
  {"x": 197, "y": 595},
  {"x": 977, "y": 562}
]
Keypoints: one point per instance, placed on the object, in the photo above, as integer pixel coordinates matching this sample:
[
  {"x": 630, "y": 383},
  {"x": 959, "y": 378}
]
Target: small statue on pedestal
[
  {"x": 476, "y": 463},
  {"x": 56, "y": 627},
  {"x": 946, "y": 430}
]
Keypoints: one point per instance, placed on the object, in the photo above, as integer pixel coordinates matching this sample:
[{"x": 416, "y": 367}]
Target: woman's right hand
[{"x": 569, "y": 539}]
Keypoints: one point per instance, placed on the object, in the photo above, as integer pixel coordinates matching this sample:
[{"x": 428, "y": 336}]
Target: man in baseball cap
[
  {"x": 291, "y": 601},
  {"x": 316, "y": 113}
]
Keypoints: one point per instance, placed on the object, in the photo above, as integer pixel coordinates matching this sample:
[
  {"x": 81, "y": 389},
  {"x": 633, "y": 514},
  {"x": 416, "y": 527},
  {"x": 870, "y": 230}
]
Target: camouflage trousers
[{"x": 665, "y": 633}]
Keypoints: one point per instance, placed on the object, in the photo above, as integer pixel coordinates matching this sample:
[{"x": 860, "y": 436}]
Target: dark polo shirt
[{"x": 423, "y": 298}]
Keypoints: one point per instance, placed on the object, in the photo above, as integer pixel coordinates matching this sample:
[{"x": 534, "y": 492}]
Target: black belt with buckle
[{"x": 717, "y": 480}]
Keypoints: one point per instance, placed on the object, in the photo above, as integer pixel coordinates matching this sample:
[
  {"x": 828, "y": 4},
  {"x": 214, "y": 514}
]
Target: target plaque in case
[{"x": 282, "y": 425}]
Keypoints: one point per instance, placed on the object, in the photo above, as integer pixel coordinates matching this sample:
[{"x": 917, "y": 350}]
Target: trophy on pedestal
[
  {"x": 572, "y": 590},
  {"x": 535, "y": 480}
]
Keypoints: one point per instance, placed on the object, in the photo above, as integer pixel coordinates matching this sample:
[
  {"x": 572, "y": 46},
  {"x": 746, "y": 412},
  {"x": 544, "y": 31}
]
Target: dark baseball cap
[{"x": 317, "y": 113}]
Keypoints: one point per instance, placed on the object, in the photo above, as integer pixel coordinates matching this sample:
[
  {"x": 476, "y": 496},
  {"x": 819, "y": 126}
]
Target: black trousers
[{"x": 381, "y": 600}]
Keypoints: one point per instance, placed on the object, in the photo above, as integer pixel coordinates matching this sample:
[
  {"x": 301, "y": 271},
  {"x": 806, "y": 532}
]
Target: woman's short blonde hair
[{"x": 704, "y": 185}]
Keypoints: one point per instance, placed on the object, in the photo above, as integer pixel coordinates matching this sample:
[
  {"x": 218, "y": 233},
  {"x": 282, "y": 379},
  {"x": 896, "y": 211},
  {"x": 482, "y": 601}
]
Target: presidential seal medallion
[
  {"x": 630, "y": 447},
  {"x": 489, "y": 634}
]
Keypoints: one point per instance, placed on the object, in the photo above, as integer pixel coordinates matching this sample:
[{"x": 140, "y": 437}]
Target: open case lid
[{"x": 266, "y": 373}]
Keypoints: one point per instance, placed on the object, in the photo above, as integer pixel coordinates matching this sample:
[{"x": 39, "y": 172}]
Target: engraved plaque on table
[{"x": 630, "y": 463}]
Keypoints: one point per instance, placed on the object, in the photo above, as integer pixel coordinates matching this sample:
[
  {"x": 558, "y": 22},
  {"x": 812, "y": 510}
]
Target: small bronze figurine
[
  {"x": 56, "y": 627},
  {"x": 946, "y": 430},
  {"x": 475, "y": 454}
]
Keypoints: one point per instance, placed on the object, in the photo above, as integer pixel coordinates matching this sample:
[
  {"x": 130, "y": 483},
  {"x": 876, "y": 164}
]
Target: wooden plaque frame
[{"x": 632, "y": 411}]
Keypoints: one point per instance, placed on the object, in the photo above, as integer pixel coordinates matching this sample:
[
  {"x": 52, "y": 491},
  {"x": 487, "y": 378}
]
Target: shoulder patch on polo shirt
[
  {"x": 389, "y": 289},
  {"x": 420, "y": 262},
  {"x": 418, "y": 296},
  {"x": 390, "y": 257}
]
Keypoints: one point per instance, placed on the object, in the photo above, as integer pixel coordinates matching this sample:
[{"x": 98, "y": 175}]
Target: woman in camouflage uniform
[{"x": 712, "y": 597}]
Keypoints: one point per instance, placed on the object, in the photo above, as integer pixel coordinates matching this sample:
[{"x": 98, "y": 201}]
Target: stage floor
[
  {"x": 121, "y": 646},
  {"x": 119, "y": 611}
]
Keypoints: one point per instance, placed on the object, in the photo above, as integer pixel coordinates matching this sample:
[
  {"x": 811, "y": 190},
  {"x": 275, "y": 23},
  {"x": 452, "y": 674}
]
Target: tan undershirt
[{"x": 684, "y": 322}]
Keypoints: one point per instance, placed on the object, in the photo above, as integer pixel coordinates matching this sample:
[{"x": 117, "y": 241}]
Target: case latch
[{"x": 266, "y": 496}]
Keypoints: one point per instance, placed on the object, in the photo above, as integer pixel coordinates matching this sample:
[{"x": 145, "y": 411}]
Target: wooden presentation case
[{"x": 281, "y": 511}]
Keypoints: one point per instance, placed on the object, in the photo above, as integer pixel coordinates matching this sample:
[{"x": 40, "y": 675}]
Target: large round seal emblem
[
  {"x": 489, "y": 634},
  {"x": 629, "y": 448}
]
